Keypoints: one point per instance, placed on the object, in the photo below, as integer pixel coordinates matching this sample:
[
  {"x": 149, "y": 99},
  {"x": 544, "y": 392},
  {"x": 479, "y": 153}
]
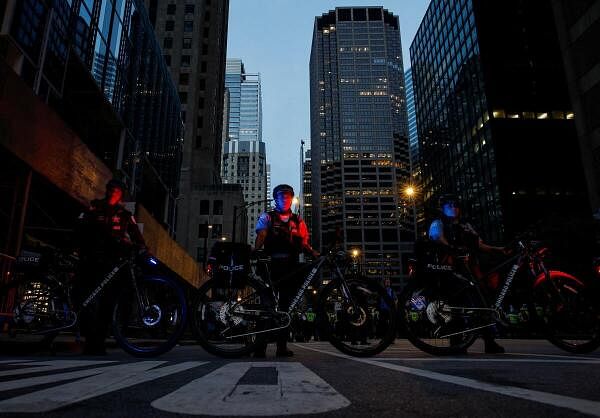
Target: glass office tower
[
  {"x": 244, "y": 152},
  {"x": 493, "y": 114},
  {"x": 359, "y": 137},
  {"x": 72, "y": 49}
]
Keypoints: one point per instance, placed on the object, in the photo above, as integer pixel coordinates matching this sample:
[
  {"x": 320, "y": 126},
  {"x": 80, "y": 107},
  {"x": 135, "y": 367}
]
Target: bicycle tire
[
  {"x": 579, "y": 308},
  {"x": 411, "y": 319},
  {"x": 361, "y": 289},
  {"x": 208, "y": 314},
  {"x": 27, "y": 297},
  {"x": 158, "y": 315}
]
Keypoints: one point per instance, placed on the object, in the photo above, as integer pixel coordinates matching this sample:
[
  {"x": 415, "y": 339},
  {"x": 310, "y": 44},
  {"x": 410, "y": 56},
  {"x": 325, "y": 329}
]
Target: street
[{"x": 532, "y": 379}]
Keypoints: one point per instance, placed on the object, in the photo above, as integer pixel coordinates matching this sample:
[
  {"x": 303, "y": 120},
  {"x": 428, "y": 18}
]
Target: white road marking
[
  {"x": 576, "y": 404},
  {"x": 298, "y": 391},
  {"x": 553, "y": 356},
  {"x": 486, "y": 360},
  {"x": 48, "y": 366},
  {"x": 108, "y": 379}
]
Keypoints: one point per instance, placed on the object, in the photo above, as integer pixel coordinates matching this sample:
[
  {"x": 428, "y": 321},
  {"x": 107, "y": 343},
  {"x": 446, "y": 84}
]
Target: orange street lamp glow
[{"x": 410, "y": 191}]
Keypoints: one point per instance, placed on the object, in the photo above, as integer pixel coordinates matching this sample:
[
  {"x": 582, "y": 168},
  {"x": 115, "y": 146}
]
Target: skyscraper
[
  {"x": 359, "y": 137},
  {"x": 578, "y": 25},
  {"x": 86, "y": 95},
  {"x": 413, "y": 140},
  {"x": 494, "y": 118},
  {"x": 193, "y": 36},
  {"x": 244, "y": 152}
]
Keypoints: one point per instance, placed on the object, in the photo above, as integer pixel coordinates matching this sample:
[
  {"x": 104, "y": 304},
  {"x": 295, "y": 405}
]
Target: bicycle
[
  {"x": 443, "y": 308},
  {"x": 237, "y": 307},
  {"x": 148, "y": 315}
]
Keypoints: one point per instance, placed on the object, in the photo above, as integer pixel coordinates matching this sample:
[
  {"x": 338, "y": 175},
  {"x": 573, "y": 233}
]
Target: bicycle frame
[
  {"x": 317, "y": 265},
  {"x": 110, "y": 276}
]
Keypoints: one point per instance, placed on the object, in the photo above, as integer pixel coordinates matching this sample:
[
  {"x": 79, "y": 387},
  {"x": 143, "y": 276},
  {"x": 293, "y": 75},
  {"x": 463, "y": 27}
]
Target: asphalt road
[{"x": 532, "y": 379}]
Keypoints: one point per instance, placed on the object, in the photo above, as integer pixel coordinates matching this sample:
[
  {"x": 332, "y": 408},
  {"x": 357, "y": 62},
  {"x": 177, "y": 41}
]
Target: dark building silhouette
[
  {"x": 494, "y": 118},
  {"x": 85, "y": 96},
  {"x": 578, "y": 25},
  {"x": 193, "y": 37}
]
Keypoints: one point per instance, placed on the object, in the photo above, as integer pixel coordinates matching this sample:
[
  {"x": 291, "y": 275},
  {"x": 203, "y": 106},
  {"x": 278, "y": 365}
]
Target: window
[
  {"x": 188, "y": 26},
  {"x": 207, "y": 16},
  {"x": 205, "y": 49},
  {"x": 171, "y": 9},
  {"x": 184, "y": 79},
  {"x": 169, "y": 25},
  {"x": 187, "y": 43},
  {"x": 186, "y": 60},
  {"x": 203, "y": 67},
  {"x": 204, "y": 207},
  {"x": 168, "y": 42},
  {"x": 202, "y": 84},
  {"x": 183, "y": 97},
  {"x": 198, "y": 141},
  {"x": 217, "y": 207},
  {"x": 206, "y": 32},
  {"x": 189, "y": 8},
  {"x": 167, "y": 59}
]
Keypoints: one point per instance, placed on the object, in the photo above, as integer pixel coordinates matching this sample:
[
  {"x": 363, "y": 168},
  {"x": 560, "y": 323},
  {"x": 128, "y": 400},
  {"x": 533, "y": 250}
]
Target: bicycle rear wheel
[
  {"x": 150, "y": 321},
  {"x": 361, "y": 327},
  {"x": 437, "y": 316},
  {"x": 570, "y": 313},
  {"x": 31, "y": 310},
  {"x": 225, "y": 319}
]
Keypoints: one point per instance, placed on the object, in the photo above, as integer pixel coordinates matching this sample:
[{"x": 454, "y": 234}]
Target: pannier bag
[
  {"x": 432, "y": 258},
  {"x": 230, "y": 263}
]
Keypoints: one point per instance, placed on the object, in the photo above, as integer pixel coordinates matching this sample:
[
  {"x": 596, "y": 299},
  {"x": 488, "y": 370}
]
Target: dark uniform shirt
[{"x": 106, "y": 229}]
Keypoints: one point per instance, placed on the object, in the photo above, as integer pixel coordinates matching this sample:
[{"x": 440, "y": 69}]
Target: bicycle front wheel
[
  {"x": 570, "y": 313},
  {"x": 361, "y": 323},
  {"x": 148, "y": 322}
]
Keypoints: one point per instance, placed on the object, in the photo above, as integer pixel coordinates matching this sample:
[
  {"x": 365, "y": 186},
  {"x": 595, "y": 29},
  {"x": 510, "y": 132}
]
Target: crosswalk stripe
[
  {"x": 298, "y": 391},
  {"x": 485, "y": 360},
  {"x": 48, "y": 366},
  {"x": 576, "y": 404},
  {"x": 110, "y": 379}
]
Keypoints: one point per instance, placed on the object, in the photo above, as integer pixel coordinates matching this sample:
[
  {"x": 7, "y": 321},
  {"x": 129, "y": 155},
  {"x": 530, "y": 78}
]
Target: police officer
[
  {"x": 284, "y": 237},
  {"x": 108, "y": 231},
  {"x": 451, "y": 231}
]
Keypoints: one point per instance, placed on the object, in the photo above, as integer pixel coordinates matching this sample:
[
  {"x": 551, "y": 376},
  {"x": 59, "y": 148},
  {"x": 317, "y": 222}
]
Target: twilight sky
[{"x": 273, "y": 38}]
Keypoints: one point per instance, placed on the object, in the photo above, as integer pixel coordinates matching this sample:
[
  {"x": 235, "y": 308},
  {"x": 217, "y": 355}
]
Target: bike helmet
[
  {"x": 449, "y": 197},
  {"x": 116, "y": 184},
  {"x": 282, "y": 188}
]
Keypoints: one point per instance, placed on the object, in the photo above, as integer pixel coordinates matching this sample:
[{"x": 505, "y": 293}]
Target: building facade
[
  {"x": 244, "y": 152},
  {"x": 86, "y": 96},
  {"x": 216, "y": 216},
  {"x": 244, "y": 163},
  {"x": 490, "y": 97},
  {"x": 193, "y": 36},
  {"x": 359, "y": 138},
  {"x": 578, "y": 25}
]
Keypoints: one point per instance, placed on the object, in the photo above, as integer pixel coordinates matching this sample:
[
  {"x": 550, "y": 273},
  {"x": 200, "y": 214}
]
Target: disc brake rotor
[
  {"x": 356, "y": 318},
  {"x": 226, "y": 315},
  {"x": 152, "y": 316}
]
